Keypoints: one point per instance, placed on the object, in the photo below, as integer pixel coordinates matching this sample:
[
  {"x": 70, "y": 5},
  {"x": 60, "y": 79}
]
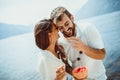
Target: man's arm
[
  {"x": 93, "y": 45},
  {"x": 91, "y": 52},
  {"x": 94, "y": 53}
]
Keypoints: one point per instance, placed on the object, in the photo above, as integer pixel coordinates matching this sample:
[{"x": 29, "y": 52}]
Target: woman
[{"x": 52, "y": 61}]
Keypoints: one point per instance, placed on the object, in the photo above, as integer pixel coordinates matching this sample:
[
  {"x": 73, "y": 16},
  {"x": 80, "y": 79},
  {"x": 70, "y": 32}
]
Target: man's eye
[{"x": 67, "y": 24}]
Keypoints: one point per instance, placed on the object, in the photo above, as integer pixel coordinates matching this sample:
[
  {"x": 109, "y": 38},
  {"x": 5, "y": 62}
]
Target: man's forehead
[
  {"x": 63, "y": 20},
  {"x": 60, "y": 23}
]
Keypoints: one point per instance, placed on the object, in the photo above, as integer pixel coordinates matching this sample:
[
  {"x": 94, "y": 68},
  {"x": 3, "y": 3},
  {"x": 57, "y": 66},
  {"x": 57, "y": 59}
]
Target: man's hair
[
  {"x": 57, "y": 14},
  {"x": 41, "y": 30}
]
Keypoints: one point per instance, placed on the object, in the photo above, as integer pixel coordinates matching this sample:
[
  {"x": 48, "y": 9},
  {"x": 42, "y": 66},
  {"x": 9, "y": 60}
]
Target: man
[{"x": 85, "y": 47}]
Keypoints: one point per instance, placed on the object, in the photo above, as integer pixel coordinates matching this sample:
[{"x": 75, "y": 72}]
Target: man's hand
[
  {"x": 76, "y": 43},
  {"x": 94, "y": 53}
]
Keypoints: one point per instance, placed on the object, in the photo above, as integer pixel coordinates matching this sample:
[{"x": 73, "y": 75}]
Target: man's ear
[{"x": 72, "y": 18}]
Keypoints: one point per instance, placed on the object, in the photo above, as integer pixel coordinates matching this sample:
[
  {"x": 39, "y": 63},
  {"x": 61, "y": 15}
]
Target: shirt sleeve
[
  {"x": 41, "y": 69},
  {"x": 93, "y": 37}
]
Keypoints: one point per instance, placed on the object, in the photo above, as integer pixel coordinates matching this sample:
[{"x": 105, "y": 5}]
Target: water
[{"x": 18, "y": 55}]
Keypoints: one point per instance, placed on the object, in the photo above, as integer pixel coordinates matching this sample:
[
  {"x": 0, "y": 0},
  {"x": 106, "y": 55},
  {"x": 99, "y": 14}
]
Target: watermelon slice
[{"x": 80, "y": 69}]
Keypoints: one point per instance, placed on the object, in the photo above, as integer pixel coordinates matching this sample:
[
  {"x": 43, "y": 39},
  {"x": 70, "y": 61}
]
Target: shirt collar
[{"x": 78, "y": 31}]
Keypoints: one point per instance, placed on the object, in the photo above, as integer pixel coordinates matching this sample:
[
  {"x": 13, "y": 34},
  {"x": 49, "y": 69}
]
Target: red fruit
[{"x": 80, "y": 69}]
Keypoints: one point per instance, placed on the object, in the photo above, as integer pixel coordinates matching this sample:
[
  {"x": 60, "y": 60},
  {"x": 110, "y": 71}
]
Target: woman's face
[{"x": 54, "y": 36}]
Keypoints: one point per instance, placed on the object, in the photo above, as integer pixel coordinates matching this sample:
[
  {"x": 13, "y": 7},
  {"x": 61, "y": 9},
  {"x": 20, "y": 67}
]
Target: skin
[
  {"x": 66, "y": 26},
  {"x": 60, "y": 72},
  {"x": 53, "y": 36}
]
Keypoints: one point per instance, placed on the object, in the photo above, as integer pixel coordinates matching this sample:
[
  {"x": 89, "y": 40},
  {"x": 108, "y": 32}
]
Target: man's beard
[{"x": 73, "y": 32}]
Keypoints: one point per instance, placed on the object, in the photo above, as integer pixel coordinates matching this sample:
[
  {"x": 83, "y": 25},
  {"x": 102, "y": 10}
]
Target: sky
[{"x": 26, "y": 12}]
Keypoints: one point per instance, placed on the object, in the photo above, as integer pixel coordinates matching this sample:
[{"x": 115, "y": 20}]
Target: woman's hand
[
  {"x": 80, "y": 73},
  {"x": 60, "y": 73}
]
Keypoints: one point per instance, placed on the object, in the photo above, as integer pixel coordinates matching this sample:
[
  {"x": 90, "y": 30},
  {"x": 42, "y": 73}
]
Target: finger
[
  {"x": 60, "y": 71},
  {"x": 61, "y": 75},
  {"x": 68, "y": 39},
  {"x": 75, "y": 45},
  {"x": 75, "y": 42},
  {"x": 61, "y": 68},
  {"x": 74, "y": 38}
]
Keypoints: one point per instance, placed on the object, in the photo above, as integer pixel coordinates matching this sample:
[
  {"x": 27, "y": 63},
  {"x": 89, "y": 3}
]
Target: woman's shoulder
[
  {"x": 86, "y": 27},
  {"x": 41, "y": 55},
  {"x": 44, "y": 55}
]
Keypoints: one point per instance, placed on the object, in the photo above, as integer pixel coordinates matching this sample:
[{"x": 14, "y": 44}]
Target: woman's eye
[{"x": 60, "y": 28}]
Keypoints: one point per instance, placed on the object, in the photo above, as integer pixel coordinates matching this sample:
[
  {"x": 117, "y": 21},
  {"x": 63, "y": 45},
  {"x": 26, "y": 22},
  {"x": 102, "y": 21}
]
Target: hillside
[
  {"x": 96, "y": 8},
  {"x": 9, "y": 30}
]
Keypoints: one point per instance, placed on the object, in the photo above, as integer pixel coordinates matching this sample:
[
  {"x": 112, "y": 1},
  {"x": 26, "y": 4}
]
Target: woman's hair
[{"x": 41, "y": 30}]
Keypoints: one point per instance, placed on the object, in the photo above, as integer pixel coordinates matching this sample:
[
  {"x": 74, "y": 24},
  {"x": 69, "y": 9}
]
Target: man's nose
[{"x": 66, "y": 28}]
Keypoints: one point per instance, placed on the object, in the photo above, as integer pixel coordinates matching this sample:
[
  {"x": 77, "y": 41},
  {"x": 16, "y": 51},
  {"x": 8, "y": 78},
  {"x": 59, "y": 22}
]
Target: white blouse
[{"x": 48, "y": 64}]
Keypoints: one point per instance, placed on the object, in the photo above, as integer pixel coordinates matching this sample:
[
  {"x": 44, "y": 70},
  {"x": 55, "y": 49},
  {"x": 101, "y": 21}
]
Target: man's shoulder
[{"x": 85, "y": 26}]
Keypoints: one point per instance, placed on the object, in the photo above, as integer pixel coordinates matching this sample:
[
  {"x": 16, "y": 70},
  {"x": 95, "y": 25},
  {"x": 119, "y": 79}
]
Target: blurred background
[{"x": 18, "y": 52}]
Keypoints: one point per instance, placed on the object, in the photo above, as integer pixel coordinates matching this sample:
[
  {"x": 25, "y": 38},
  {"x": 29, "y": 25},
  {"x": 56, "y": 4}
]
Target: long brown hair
[{"x": 41, "y": 30}]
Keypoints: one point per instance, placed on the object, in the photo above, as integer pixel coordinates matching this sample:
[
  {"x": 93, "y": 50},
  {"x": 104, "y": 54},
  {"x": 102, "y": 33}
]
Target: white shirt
[
  {"x": 91, "y": 37},
  {"x": 48, "y": 64}
]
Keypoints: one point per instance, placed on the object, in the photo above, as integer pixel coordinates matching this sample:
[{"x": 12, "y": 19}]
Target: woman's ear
[{"x": 72, "y": 18}]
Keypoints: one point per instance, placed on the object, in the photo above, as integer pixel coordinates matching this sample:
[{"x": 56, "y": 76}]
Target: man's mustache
[{"x": 69, "y": 29}]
